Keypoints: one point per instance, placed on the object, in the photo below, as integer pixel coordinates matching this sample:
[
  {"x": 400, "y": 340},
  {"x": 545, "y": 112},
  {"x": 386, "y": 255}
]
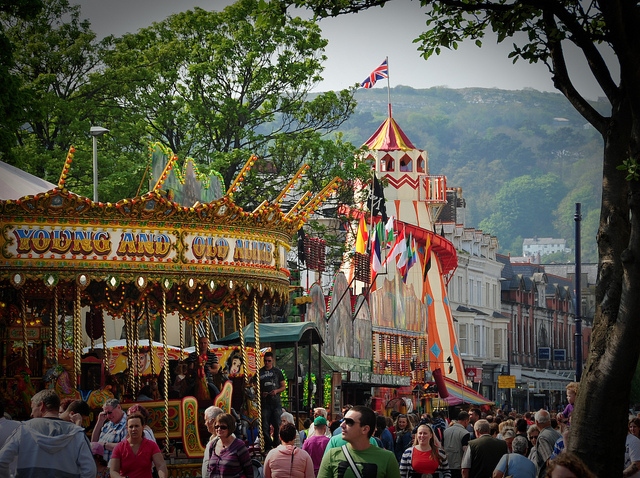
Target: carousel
[{"x": 170, "y": 260}]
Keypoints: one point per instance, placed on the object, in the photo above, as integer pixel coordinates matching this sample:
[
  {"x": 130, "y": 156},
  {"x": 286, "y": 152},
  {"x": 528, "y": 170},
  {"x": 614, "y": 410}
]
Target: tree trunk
[{"x": 599, "y": 422}]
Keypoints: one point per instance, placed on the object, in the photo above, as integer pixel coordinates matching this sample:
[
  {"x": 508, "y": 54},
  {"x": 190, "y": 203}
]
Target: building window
[
  {"x": 476, "y": 340},
  {"x": 460, "y": 290},
  {"x": 497, "y": 343},
  {"x": 463, "y": 338}
]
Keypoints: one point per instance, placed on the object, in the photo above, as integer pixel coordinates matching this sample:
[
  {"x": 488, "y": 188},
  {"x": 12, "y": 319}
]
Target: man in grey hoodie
[{"x": 47, "y": 445}]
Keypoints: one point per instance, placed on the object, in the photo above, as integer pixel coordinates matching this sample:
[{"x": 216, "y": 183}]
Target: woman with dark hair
[
  {"x": 424, "y": 457},
  {"x": 286, "y": 460},
  {"x": 134, "y": 455},
  {"x": 148, "y": 431},
  {"x": 228, "y": 455}
]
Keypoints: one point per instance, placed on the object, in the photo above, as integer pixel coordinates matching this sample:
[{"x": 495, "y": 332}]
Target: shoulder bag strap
[
  {"x": 213, "y": 445},
  {"x": 293, "y": 452},
  {"x": 353, "y": 466}
]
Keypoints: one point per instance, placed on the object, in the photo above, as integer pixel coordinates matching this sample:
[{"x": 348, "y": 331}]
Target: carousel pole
[
  {"x": 256, "y": 334},
  {"x": 77, "y": 339},
  {"x": 105, "y": 357},
  {"x": 53, "y": 355},
  {"x": 166, "y": 372},
  {"x": 150, "y": 336},
  {"x": 243, "y": 345},
  {"x": 25, "y": 342},
  {"x": 136, "y": 357},
  {"x": 129, "y": 340}
]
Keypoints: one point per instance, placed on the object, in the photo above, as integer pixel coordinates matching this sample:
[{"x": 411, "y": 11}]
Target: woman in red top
[
  {"x": 424, "y": 457},
  {"x": 133, "y": 457}
]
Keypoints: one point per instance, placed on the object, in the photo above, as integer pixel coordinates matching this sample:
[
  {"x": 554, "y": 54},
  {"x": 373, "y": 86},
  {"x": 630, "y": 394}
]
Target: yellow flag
[{"x": 362, "y": 237}]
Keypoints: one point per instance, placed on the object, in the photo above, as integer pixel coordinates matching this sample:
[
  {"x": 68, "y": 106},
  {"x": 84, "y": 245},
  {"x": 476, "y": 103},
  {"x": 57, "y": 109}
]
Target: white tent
[{"x": 16, "y": 183}]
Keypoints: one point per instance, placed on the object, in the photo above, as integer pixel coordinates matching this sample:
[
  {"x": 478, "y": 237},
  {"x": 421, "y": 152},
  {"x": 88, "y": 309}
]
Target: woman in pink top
[{"x": 286, "y": 460}]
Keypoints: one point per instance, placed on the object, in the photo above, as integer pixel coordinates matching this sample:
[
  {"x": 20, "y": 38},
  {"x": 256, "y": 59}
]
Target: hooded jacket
[{"x": 48, "y": 447}]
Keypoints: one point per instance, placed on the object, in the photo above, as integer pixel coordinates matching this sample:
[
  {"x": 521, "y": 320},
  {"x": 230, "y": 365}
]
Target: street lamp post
[{"x": 96, "y": 131}]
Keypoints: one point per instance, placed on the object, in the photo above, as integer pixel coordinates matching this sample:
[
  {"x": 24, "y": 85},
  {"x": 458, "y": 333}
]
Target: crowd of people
[{"x": 356, "y": 443}]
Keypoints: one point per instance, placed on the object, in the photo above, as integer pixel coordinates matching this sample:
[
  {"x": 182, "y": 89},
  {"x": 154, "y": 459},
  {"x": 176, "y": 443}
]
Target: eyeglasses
[
  {"x": 268, "y": 360},
  {"x": 533, "y": 437},
  {"x": 221, "y": 427},
  {"x": 350, "y": 422},
  {"x": 108, "y": 412}
]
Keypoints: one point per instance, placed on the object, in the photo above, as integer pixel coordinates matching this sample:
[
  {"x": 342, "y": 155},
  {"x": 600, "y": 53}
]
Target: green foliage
[
  {"x": 632, "y": 168},
  {"x": 11, "y": 96},
  {"x": 220, "y": 86}
]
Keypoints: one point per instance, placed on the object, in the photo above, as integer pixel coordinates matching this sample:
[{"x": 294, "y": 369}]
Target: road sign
[{"x": 506, "y": 381}]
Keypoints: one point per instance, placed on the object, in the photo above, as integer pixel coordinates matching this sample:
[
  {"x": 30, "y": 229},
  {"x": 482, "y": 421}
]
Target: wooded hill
[{"x": 523, "y": 158}]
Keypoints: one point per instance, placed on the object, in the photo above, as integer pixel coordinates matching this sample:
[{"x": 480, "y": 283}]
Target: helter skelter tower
[{"x": 412, "y": 322}]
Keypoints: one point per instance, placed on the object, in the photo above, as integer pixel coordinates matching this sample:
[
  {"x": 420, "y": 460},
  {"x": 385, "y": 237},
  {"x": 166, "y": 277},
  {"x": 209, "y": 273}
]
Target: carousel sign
[{"x": 125, "y": 244}]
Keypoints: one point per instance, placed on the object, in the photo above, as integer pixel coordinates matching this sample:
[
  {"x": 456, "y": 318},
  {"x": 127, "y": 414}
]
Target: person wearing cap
[
  {"x": 97, "y": 450},
  {"x": 317, "y": 443},
  {"x": 508, "y": 436}
]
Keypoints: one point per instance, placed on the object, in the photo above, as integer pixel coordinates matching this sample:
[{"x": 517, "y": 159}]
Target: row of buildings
[{"x": 514, "y": 317}]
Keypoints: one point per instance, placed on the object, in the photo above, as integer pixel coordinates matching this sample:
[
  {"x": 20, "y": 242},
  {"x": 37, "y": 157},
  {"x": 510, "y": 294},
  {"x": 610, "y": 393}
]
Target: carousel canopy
[
  {"x": 286, "y": 334},
  {"x": 16, "y": 183}
]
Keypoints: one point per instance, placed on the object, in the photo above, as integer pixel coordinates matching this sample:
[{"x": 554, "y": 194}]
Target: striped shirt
[{"x": 232, "y": 461}]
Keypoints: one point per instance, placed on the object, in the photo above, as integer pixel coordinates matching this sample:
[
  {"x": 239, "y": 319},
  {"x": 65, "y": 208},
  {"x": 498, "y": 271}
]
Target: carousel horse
[
  {"x": 24, "y": 388},
  {"x": 57, "y": 378},
  {"x": 97, "y": 398}
]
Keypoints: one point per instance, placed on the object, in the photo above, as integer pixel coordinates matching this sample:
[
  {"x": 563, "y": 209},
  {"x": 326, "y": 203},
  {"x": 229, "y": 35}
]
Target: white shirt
[{"x": 632, "y": 452}]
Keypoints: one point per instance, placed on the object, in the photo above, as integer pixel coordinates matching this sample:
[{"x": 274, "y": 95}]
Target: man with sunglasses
[
  {"x": 272, "y": 384},
  {"x": 111, "y": 427},
  {"x": 358, "y": 458}
]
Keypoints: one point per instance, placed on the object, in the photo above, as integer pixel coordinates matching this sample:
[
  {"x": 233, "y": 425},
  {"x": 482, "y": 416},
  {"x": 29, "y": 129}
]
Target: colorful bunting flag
[
  {"x": 398, "y": 247},
  {"x": 362, "y": 237},
  {"x": 376, "y": 258}
]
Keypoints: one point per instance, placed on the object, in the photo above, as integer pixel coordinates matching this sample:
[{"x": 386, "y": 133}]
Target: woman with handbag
[{"x": 424, "y": 457}]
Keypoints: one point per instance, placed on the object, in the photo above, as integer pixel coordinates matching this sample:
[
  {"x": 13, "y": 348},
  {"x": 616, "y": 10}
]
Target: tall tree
[
  {"x": 53, "y": 53},
  {"x": 220, "y": 86},
  {"x": 10, "y": 94},
  {"x": 599, "y": 423}
]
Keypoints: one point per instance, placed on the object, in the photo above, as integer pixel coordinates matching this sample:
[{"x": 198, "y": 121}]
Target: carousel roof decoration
[
  {"x": 203, "y": 255},
  {"x": 187, "y": 186}
]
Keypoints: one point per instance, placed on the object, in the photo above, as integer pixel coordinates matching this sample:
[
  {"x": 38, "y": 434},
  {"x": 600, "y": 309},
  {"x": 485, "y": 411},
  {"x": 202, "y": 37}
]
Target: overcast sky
[{"x": 358, "y": 43}]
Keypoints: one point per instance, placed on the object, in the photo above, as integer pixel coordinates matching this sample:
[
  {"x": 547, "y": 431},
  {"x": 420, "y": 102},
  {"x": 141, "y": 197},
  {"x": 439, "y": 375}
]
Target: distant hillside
[{"x": 522, "y": 158}]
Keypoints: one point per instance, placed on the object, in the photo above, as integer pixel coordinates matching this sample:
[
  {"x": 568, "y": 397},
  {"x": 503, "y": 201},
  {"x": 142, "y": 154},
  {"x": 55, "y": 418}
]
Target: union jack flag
[{"x": 378, "y": 74}]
